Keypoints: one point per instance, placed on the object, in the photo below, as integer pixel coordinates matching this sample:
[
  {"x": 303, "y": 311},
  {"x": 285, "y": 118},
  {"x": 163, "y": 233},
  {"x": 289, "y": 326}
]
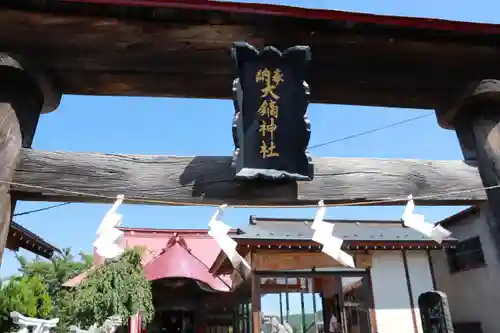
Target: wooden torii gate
[{"x": 180, "y": 49}]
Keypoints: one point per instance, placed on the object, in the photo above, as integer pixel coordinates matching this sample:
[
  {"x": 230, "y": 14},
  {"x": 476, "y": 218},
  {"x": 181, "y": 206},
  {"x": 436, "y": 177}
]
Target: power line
[
  {"x": 76, "y": 193},
  {"x": 225, "y": 181},
  {"x": 352, "y": 136},
  {"x": 41, "y": 209}
]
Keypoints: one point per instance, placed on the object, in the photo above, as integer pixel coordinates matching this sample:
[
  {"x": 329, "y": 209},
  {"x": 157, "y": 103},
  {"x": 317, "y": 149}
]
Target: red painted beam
[{"x": 306, "y": 13}]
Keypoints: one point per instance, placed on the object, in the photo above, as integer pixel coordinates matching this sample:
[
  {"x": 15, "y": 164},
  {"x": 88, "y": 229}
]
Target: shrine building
[{"x": 294, "y": 287}]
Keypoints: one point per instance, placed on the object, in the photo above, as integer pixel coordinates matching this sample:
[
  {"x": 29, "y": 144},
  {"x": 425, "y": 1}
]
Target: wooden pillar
[
  {"x": 255, "y": 304},
  {"x": 21, "y": 102},
  {"x": 476, "y": 120}
]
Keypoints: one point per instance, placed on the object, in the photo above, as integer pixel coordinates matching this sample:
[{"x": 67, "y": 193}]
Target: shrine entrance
[
  {"x": 176, "y": 321},
  {"x": 187, "y": 306},
  {"x": 326, "y": 301}
]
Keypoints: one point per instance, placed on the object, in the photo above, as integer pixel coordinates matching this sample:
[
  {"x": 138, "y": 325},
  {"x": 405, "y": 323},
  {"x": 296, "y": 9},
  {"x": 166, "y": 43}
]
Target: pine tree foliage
[
  {"x": 58, "y": 270},
  {"x": 119, "y": 287},
  {"x": 53, "y": 274},
  {"x": 26, "y": 295}
]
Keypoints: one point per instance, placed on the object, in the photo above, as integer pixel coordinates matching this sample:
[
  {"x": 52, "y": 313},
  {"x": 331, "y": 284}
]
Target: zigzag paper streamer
[
  {"x": 219, "y": 231},
  {"x": 332, "y": 245},
  {"x": 109, "y": 238},
  {"x": 417, "y": 222}
]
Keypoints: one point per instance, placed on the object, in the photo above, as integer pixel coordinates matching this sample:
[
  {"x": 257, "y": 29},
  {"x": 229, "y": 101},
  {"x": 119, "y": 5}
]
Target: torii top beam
[{"x": 181, "y": 49}]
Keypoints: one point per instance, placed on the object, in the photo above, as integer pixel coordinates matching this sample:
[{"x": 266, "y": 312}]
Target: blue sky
[{"x": 166, "y": 126}]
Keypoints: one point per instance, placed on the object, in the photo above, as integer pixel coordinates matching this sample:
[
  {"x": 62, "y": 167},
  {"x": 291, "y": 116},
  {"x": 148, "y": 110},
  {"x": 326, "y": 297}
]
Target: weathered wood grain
[
  {"x": 173, "y": 53},
  {"x": 208, "y": 180},
  {"x": 20, "y": 104},
  {"x": 476, "y": 119},
  {"x": 5, "y": 219},
  {"x": 485, "y": 129}
]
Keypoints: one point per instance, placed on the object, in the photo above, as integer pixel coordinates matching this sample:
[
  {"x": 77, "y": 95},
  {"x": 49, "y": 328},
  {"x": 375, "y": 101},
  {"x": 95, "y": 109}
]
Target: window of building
[{"x": 468, "y": 254}]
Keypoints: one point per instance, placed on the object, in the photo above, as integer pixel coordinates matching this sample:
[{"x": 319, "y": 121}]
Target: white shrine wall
[{"x": 394, "y": 312}]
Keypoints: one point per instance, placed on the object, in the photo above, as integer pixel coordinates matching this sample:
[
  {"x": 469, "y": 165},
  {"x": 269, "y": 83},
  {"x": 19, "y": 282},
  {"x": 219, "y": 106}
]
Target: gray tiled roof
[{"x": 349, "y": 230}]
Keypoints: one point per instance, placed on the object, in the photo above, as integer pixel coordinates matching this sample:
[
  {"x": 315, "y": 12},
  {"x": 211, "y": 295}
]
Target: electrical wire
[
  {"x": 104, "y": 197},
  {"x": 385, "y": 201},
  {"x": 41, "y": 209},
  {"x": 352, "y": 136}
]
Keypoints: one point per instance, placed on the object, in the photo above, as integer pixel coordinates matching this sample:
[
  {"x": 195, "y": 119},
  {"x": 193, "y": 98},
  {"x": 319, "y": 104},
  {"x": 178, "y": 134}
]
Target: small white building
[{"x": 470, "y": 273}]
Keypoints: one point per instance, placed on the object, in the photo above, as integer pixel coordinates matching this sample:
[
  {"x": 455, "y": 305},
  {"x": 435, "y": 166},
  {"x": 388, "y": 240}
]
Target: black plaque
[{"x": 270, "y": 129}]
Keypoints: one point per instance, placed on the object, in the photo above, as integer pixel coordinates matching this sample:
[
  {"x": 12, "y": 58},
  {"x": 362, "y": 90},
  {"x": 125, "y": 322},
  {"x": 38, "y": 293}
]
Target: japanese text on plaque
[{"x": 269, "y": 110}]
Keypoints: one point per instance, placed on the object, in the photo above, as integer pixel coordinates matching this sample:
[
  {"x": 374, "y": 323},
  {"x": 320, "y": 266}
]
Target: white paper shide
[
  {"x": 323, "y": 234},
  {"x": 417, "y": 222},
  {"x": 219, "y": 231},
  {"x": 109, "y": 239}
]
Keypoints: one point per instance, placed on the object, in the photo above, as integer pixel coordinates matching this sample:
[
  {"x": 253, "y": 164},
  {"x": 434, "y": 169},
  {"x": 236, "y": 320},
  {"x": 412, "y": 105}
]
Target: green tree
[
  {"x": 119, "y": 287},
  {"x": 58, "y": 270},
  {"x": 26, "y": 295},
  {"x": 53, "y": 273}
]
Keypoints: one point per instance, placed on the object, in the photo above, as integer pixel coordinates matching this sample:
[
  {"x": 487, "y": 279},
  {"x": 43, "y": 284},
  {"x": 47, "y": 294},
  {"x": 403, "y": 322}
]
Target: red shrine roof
[
  {"x": 305, "y": 13},
  {"x": 172, "y": 253},
  {"x": 177, "y": 261}
]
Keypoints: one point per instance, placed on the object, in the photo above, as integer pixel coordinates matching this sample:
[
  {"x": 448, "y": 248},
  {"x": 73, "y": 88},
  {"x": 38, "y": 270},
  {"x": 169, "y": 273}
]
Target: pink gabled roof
[
  {"x": 201, "y": 244},
  {"x": 203, "y": 247},
  {"x": 177, "y": 261}
]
